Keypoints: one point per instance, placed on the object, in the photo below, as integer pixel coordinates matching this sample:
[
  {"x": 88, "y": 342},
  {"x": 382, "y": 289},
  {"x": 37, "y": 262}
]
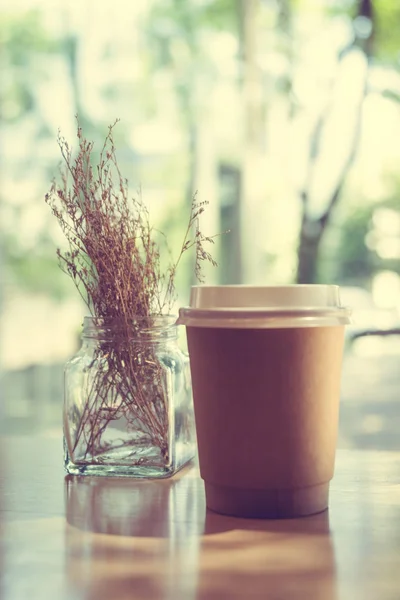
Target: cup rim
[
  {"x": 258, "y": 306},
  {"x": 254, "y": 318}
]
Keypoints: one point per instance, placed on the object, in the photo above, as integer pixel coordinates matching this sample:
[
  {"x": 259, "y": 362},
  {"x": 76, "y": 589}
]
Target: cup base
[{"x": 267, "y": 504}]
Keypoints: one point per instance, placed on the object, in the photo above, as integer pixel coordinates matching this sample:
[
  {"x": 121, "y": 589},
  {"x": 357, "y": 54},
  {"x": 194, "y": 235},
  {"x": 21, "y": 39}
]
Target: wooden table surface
[{"x": 67, "y": 538}]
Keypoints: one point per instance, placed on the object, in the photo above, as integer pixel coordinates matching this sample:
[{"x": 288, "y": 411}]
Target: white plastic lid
[{"x": 255, "y": 307}]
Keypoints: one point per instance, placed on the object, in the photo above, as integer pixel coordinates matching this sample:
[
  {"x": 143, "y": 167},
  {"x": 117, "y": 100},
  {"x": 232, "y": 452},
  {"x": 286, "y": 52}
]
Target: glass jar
[{"x": 128, "y": 401}]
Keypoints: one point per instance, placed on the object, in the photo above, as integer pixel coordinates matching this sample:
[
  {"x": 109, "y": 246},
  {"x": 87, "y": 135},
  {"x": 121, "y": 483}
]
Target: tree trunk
[
  {"x": 230, "y": 185},
  {"x": 73, "y": 42},
  {"x": 252, "y": 192},
  {"x": 366, "y": 10},
  {"x": 191, "y": 179},
  {"x": 313, "y": 228},
  {"x": 310, "y": 239},
  {"x": 206, "y": 181}
]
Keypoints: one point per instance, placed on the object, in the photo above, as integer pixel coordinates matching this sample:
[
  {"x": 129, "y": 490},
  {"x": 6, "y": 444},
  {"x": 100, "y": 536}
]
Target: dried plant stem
[{"x": 114, "y": 261}]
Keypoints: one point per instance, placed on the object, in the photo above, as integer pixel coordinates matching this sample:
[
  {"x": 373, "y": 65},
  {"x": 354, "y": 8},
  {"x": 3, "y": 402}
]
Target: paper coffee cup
[{"x": 266, "y": 366}]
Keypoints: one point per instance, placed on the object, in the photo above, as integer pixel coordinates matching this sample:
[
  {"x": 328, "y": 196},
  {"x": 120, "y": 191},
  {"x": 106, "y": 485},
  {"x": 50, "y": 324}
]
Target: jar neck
[{"x": 152, "y": 329}]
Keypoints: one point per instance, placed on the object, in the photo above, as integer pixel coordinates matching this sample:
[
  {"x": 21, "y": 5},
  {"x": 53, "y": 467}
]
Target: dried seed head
[{"x": 114, "y": 259}]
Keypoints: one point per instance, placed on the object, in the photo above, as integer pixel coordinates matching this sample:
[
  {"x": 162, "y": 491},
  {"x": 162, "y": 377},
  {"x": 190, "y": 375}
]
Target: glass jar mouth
[{"x": 151, "y": 328}]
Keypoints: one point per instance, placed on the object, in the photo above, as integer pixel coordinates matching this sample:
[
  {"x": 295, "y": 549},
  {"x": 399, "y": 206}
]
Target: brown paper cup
[{"x": 266, "y": 405}]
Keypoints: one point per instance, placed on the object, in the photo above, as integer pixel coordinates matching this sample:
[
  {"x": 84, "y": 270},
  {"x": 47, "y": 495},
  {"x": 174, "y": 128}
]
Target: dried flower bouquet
[{"x": 118, "y": 396}]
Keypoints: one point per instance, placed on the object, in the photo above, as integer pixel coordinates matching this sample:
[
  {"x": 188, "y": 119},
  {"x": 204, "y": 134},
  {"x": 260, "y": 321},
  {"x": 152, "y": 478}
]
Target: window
[{"x": 284, "y": 116}]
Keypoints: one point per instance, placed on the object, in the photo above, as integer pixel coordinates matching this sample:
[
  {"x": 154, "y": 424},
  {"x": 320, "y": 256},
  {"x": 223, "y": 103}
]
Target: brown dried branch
[
  {"x": 113, "y": 257},
  {"x": 115, "y": 263}
]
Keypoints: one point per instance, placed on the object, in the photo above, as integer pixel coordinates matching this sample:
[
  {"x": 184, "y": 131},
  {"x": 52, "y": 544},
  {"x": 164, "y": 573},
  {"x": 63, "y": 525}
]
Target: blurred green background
[{"x": 283, "y": 114}]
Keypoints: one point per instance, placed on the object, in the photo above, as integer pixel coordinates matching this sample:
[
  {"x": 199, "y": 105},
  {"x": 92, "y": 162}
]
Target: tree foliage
[{"x": 180, "y": 47}]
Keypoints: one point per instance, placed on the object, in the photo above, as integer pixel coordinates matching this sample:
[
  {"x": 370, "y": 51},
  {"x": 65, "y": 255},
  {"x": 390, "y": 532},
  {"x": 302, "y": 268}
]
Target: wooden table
[{"x": 67, "y": 538}]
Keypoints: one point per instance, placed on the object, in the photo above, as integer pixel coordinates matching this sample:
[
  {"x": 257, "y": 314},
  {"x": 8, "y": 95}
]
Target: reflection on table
[
  {"x": 157, "y": 539},
  {"x": 82, "y": 538}
]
